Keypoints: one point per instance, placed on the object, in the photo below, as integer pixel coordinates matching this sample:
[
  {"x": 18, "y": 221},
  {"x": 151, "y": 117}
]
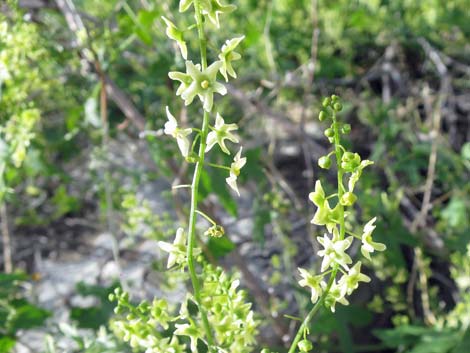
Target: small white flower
[
  {"x": 235, "y": 167},
  {"x": 172, "y": 129},
  {"x": 334, "y": 252},
  {"x": 369, "y": 246},
  {"x": 352, "y": 279},
  {"x": 220, "y": 133},
  {"x": 177, "y": 249},
  {"x": 313, "y": 282},
  {"x": 335, "y": 295}
]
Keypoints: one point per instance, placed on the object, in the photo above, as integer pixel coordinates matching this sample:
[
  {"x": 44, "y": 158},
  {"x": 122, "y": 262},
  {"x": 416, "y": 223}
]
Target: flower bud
[
  {"x": 305, "y": 345},
  {"x": 338, "y": 107},
  {"x": 192, "y": 158},
  {"x": 324, "y": 162},
  {"x": 329, "y": 132},
  {"x": 348, "y": 199},
  {"x": 334, "y": 98},
  {"x": 346, "y": 129},
  {"x": 326, "y": 102},
  {"x": 322, "y": 116}
]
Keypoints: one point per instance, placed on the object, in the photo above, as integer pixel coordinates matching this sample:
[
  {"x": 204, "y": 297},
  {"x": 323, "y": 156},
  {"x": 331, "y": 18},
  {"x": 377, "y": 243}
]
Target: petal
[
  {"x": 211, "y": 140},
  {"x": 232, "y": 182},
  {"x": 192, "y": 70},
  {"x": 212, "y": 70},
  {"x": 208, "y": 101},
  {"x": 219, "y": 88},
  {"x": 183, "y": 144}
]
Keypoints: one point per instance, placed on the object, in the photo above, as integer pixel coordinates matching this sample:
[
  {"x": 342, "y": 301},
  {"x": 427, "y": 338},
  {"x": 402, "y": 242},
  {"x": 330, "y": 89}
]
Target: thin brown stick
[{"x": 6, "y": 239}]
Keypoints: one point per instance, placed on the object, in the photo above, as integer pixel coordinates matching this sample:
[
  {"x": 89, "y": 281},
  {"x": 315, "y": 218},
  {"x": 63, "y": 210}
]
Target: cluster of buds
[{"x": 335, "y": 259}]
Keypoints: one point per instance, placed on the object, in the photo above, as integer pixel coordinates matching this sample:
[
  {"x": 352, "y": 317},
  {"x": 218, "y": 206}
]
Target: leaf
[
  {"x": 220, "y": 247},
  {"x": 26, "y": 316},
  {"x": 6, "y": 344}
]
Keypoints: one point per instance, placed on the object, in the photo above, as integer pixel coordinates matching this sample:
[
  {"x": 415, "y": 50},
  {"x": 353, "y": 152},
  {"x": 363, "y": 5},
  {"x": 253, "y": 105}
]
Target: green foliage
[{"x": 16, "y": 313}]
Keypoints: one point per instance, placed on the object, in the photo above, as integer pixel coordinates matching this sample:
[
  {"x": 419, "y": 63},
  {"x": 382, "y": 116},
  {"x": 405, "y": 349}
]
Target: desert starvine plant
[
  {"x": 338, "y": 277},
  {"x": 216, "y": 314}
]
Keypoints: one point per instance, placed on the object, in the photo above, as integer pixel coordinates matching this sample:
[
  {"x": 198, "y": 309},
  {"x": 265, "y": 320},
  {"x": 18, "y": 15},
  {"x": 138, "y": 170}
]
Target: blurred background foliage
[{"x": 402, "y": 66}]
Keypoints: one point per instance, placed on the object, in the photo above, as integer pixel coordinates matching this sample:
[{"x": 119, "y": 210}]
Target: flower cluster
[
  {"x": 201, "y": 82},
  {"x": 335, "y": 258}
]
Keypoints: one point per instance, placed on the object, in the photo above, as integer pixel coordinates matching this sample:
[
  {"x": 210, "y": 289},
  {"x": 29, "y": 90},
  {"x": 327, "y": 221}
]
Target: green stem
[
  {"x": 342, "y": 229},
  {"x": 338, "y": 147},
  {"x": 312, "y": 313},
  {"x": 195, "y": 186}
]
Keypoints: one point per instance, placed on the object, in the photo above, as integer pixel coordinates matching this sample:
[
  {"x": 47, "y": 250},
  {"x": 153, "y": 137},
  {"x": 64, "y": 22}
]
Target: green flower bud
[
  {"x": 192, "y": 158},
  {"x": 334, "y": 98},
  {"x": 322, "y": 116},
  {"x": 346, "y": 129},
  {"x": 347, "y": 157},
  {"x": 329, "y": 132},
  {"x": 348, "y": 199},
  {"x": 305, "y": 345},
  {"x": 111, "y": 297},
  {"x": 326, "y": 102},
  {"x": 324, "y": 162},
  {"x": 338, "y": 107}
]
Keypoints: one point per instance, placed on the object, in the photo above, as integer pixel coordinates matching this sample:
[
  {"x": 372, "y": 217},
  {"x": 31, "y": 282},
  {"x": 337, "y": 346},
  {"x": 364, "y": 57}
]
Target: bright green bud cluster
[
  {"x": 350, "y": 161},
  {"x": 215, "y": 231},
  {"x": 348, "y": 199}
]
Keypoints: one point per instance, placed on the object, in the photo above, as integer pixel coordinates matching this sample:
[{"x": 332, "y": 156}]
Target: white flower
[
  {"x": 369, "y": 246},
  {"x": 352, "y": 279},
  {"x": 313, "y": 282},
  {"x": 227, "y": 55},
  {"x": 172, "y": 129},
  {"x": 334, "y": 252},
  {"x": 336, "y": 294},
  {"x": 199, "y": 83},
  {"x": 177, "y": 250},
  {"x": 220, "y": 133},
  {"x": 235, "y": 167}
]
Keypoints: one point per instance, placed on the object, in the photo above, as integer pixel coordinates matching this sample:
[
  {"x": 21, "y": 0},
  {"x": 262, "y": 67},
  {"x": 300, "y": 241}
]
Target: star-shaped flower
[
  {"x": 201, "y": 83},
  {"x": 177, "y": 249},
  {"x": 172, "y": 129},
  {"x": 190, "y": 330},
  {"x": 313, "y": 282},
  {"x": 214, "y": 8},
  {"x": 227, "y": 55},
  {"x": 352, "y": 279},
  {"x": 335, "y": 295},
  {"x": 334, "y": 252},
  {"x": 235, "y": 167},
  {"x": 369, "y": 246},
  {"x": 221, "y": 132},
  {"x": 177, "y": 35}
]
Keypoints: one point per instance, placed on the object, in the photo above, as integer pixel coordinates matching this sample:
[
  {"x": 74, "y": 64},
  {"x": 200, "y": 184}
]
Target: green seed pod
[
  {"x": 324, "y": 162},
  {"x": 326, "y": 102},
  {"x": 322, "y": 116},
  {"x": 334, "y": 98},
  {"x": 348, "y": 199},
  {"x": 329, "y": 132},
  {"x": 305, "y": 345},
  {"x": 338, "y": 107},
  {"x": 346, "y": 129}
]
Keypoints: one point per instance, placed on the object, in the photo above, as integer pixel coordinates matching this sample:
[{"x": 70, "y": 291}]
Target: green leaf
[
  {"x": 220, "y": 247},
  {"x": 6, "y": 344},
  {"x": 26, "y": 316}
]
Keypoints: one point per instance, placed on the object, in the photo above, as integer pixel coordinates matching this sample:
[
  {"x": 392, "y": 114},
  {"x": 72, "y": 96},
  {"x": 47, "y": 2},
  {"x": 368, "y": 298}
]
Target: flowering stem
[
  {"x": 342, "y": 230},
  {"x": 312, "y": 313},
  {"x": 195, "y": 186}
]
